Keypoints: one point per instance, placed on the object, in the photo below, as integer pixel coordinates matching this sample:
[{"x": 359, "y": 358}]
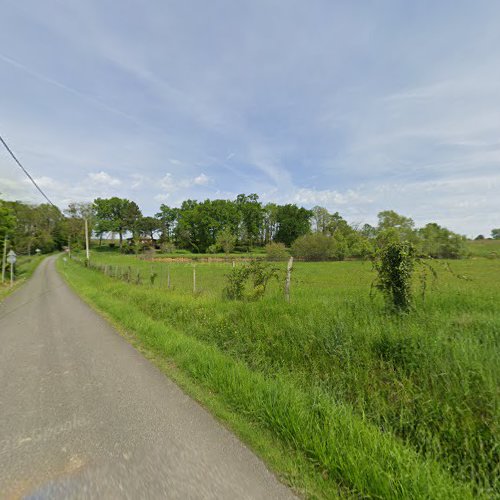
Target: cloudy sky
[{"x": 354, "y": 105}]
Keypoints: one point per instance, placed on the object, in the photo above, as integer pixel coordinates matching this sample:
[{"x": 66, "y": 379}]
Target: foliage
[
  {"x": 7, "y": 221},
  {"x": 395, "y": 265},
  {"x": 255, "y": 275},
  {"x": 117, "y": 215},
  {"x": 316, "y": 246},
  {"x": 276, "y": 252},
  {"x": 36, "y": 226},
  {"x": 426, "y": 381},
  {"x": 495, "y": 233},
  {"x": 225, "y": 240},
  {"x": 292, "y": 223},
  {"x": 441, "y": 243}
]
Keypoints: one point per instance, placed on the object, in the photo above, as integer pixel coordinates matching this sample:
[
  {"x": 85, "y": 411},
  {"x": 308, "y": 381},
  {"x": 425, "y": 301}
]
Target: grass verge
[
  {"x": 25, "y": 267},
  {"x": 315, "y": 444}
]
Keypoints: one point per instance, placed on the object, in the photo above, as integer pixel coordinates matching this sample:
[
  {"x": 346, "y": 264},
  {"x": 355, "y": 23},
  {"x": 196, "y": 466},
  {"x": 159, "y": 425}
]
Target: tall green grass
[
  {"x": 427, "y": 382},
  {"x": 25, "y": 266}
]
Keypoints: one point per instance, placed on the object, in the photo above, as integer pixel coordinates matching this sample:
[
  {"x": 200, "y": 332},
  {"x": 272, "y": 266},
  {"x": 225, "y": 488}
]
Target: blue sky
[{"x": 354, "y": 105}]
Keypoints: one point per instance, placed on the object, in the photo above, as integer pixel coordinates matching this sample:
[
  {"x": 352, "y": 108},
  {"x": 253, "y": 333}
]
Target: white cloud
[
  {"x": 104, "y": 179},
  {"x": 328, "y": 197},
  {"x": 169, "y": 183},
  {"x": 201, "y": 180}
]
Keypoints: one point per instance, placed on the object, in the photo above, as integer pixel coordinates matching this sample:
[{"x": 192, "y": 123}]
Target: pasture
[{"x": 384, "y": 405}]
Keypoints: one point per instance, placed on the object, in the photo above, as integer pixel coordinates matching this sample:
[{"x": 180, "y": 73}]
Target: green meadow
[{"x": 363, "y": 403}]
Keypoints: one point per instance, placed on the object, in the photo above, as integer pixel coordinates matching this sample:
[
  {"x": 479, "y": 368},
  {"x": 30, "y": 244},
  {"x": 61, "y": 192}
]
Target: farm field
[{"x": 375, "y": 405}]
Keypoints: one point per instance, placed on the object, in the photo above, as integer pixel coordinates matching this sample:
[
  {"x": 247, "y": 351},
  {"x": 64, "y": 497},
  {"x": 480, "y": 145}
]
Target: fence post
[
  {"x": 194, "y": 278},
  {"x": 288, "y": 279},
  {"x": 168, "y": 277}
]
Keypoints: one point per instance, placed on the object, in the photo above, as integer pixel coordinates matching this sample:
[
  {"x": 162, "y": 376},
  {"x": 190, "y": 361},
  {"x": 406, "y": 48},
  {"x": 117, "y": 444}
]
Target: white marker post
[{"x": 11, "y": 259}]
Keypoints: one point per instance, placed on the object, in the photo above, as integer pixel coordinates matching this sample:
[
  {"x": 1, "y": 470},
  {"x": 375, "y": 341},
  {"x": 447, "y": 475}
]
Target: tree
[
  {"x": 74, "y": 223},
  {"x": 148, "y": 226},
  {"x": 225, "y": 240},
  {"x": 394, "y": 227},
  {"x": 251, "y": 217},
  {"x": 269, "y": 223},
  {"x": 292, "y": 223},
  {"x": 440, "y": 243},
  {"x": 320, "y": 219},
  {"x": 7, "y": 221},
  {"x": 495, "y": 233},
  {"x": 117, "y": 215},
  {"x": 168, "y": 219}
]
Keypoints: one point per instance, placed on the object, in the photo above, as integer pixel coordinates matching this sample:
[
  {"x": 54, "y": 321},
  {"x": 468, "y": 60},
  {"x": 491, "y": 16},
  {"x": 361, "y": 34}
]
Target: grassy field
[
  {"x": 24, "y": 269},
  {"x": 484, "y": 248},
  {"x": 368, "y": 404}
]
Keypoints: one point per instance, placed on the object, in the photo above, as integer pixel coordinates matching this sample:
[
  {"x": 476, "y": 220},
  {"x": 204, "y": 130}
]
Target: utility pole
[
  {"x": 87, "y": 251},
  {"x": 4, "y": 258}
]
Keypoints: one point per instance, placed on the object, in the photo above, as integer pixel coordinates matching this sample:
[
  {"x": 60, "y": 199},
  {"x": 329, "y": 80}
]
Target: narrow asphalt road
[{"x": 84, "y": 415}]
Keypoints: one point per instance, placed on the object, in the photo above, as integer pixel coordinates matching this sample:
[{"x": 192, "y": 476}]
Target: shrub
[
  {"x": 276, "y": 252},
  {"x": 225, "y": 240},
  {"x": 317, "y": 246},
  {"x": 167, "y": 247},
  {"x": 395, "y": 266},
  {"x": 255, "y": 276}
]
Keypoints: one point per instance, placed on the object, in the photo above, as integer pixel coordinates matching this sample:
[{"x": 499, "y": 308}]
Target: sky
[{"x": 357, "y": 106}]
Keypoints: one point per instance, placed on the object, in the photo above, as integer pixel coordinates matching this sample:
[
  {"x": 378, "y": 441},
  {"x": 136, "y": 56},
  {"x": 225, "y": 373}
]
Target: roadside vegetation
[
  {"x": 24, "y": 268},
  {"x": 382, "y": 405},
  {"x": 365, "y": 394}
]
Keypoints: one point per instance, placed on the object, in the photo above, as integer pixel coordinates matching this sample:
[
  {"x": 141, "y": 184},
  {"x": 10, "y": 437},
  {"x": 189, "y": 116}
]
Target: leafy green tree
[
  {"x": 148, "y": 226},
  {"x": 251, "y": 217},
  {"x": 394, "y": 227},
  {"x": 168, "y": 217},
  {"x": 74, "y": 222},
  {"x": 225, "y": 240},
  {"x": 117, "y": 215},
  {"x": 495, "y": 233},
  {"x": 37, "y": 226},
  {"x": 269, "y": 223},
  {"x": 7, "y": 221},
  {"x": 320, "y": 219},
  {"x": 292, "y": 223},
  {"x": 441, "y": 243}
]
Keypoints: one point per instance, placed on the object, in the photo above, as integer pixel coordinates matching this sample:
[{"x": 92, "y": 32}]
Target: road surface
[{"x": 84, "y": 415}]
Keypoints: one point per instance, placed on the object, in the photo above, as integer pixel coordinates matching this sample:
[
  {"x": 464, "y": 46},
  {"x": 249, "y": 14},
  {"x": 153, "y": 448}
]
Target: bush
[
  {"x": 225, "y": 240},
  {"x": 395, "y": 267},
  {"x": 276, "y": 252},
  {"x": 249, "y": 281},
  {"x": 317, "y": 246},
  {"x": 167, "y": 247}
]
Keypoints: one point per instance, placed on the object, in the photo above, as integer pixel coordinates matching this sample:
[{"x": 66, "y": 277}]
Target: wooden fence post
[
  {"x": 168, "y": 276},
  {"x": 288, "y": 279}
]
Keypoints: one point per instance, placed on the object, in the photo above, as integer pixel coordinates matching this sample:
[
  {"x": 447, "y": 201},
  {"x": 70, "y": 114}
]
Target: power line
[{"x": 25, "y": 171}]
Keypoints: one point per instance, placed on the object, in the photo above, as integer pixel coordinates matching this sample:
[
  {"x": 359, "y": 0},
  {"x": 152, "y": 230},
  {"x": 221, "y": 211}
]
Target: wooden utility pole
[
  {"x": 87, "y": 250},
  {"x": 4, "y": 257}
]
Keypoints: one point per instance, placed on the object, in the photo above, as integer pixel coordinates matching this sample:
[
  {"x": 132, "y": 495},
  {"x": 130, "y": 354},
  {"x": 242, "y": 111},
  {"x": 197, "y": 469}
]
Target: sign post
[{"x": 11, "y": 259}]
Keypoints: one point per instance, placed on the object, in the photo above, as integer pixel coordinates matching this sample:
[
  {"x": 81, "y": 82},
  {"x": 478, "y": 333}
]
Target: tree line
[{"x": 218, "y": 225}]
